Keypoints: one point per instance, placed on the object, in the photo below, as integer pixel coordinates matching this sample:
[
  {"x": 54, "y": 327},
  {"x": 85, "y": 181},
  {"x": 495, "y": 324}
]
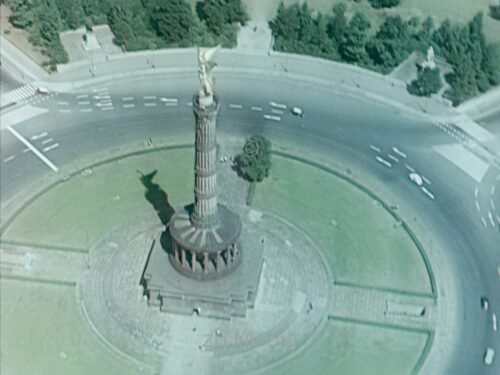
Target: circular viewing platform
[{"x": 203, "y": 253}]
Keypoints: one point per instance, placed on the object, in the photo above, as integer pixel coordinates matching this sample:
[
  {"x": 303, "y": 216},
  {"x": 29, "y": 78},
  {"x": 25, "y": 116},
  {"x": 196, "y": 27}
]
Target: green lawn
[
  {"x": 43, "y": 333},
  {"x": 78, "y": 212},
  {"x": 362, "y": 242},
  {"x": 345, "y": 348}
]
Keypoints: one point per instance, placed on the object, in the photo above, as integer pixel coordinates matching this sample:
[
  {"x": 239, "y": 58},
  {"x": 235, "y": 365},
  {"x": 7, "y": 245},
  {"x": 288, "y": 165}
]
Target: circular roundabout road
[{"x": 374, "y": 143}]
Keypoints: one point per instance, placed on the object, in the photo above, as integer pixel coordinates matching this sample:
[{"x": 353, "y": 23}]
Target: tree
[
  {"x": 428, "y": 82},
  {"x": 384, "y": 3},
  {"x": 173, "y": 21},
  {"x": 392, "y": 42},
  {"x": 72, "y": 13},
  {"x": 254, "y": 162},
  {"x": 352, "y": 48}
]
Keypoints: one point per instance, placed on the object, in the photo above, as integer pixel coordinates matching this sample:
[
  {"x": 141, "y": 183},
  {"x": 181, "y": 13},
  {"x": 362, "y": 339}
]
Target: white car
[
  {"x": 489, "y": 355},
  {"x": 42, "y": 90},
  {"x": 297, "y": 111},
  {"x": 416, "y": 178}
]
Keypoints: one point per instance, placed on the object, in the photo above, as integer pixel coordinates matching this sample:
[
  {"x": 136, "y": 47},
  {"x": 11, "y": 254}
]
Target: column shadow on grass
[{"x": 157, "y": 197}]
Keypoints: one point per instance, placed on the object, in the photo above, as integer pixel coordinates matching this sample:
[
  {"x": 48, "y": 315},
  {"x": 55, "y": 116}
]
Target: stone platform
[{"x": 222, "y": 298}]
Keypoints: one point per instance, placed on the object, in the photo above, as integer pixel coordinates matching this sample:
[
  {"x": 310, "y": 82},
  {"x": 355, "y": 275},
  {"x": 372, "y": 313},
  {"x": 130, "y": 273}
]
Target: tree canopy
[{"x": 254, "y": 162}]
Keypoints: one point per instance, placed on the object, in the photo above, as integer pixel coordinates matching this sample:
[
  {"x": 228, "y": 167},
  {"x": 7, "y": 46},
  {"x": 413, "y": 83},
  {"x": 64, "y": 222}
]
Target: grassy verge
[
  {"x": 345, "y": 348},
  {"x": 362, "y": 242},
  {"x": 43, "y": 333}
]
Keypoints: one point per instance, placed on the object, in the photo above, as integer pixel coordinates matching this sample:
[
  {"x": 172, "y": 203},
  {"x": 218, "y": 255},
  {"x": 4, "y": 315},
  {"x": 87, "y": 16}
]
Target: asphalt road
[{"x": 464, "y": 252}]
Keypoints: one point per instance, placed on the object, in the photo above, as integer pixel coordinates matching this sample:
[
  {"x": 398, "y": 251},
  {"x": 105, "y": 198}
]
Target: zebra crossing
[
  {"x": 20, "y": 114},
  {"x": 17, "y": 95}
]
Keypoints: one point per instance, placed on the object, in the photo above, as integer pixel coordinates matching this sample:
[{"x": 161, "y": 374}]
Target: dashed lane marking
[
  {"x": 490, "y": 216},
  {"x": 62, "y": 103},
  {"x": 51, "y": 147},
  {"x": 393, "y": 158},
  {"x": 399, "y": 152},
  {"x": 277, "y": 111},
  {"x": 10, "y": 158},
  {"x": 427, "y": 192},
  {"x": 48, "y": 140},
  {"x": 129, "y": 106},
  {"x": 476, "y": 192},
  {"x": 38, "y": 136},
  {"x": 100, "y": 89},
  {"x": 478, "y": 207},
  {"x": 107, "y": 108},
  {"x": 375, "y": 148},
  {"x": 411, "y": 169},
  {"x": 258, "y": 109},
  {"x": 127, "y": 98},
  {"x": 484, "y": 221},
  {"x": 426, "y": 180},
  {"x": 149, "y": 104},
  {"x": 171, "y": 104},
  {"x": 383, "y": 161},
  {"x": 84, "y": 110},
  {"x": 149, "y": 97},
  {"x": 82, "y": 96},
  {"x": 84, "y": 103},
  {"x": 235, "y": 106},
  {"x": 492, "y": 191},
  {"x": 492, "y": 204},
  {"x": 33, "y": 149},
  {"x": 65, "y": 110}
]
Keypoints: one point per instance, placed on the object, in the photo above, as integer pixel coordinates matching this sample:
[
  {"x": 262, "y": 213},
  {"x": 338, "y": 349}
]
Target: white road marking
[
  {"x": 171, "y": 104},
  {"x": 498, "y": 271},
  {"x": 169, "y": 100},
  {"x": 426, "y": 180},
  {"x": 476, "y": 192},
  {"x": 410, "y": 168},
  {"x": 21, "y": 114},
  {"x": 477, "y": 207},
  {"x": 127, "y": 98},
  {"x": 399, "y": 152},
  {"x": 65, "y": 110},
  {"x": 393, "y": 158},
  {"x": 235, "y": 106},
  {"x": 149, "y": 104},
  {"x": 277, "y": 111},
  {"x": 383, "y": 161},
  {"x": 492, "y": 203},
  {"x": 189, "y": 104},
  {"x": 100, "y": 89},
  {"x": 277, "y": 105},
  {"x": 484, "y": 221},
  {"x": 427, "y": 192},
  {"x": 45, "y": 141},
  {"x": 38, "y": 136},
  {"x": 84, "y": 103},
  {"x": 375, "y": 148},
  {"x": 490, "y": 216},
  {"x": 83, "y": 110},
  {"x": 129, "y": 106},
  {"x": 465, "y": 160},
  {"x": 32, "y": 148},
  {"x": 9, "y": 159},
  {"x": 274, "y": 118},
  {"x": 51, "y": 147},
  {"x": 62, "y": 103},
  {"x": 107, "y": 108},
  {"x": 102, "y": 97},
  {"x": 149, "y": 97},
  {"x": 498, "y": 178},
  {"x": 492, "y": 191},
  {"x": 83, "y": 96},
  {"x": 258, "y": 109},
  {"x": 494, "y": 321},
  {"x": 104, "y": 104},
  {"x": 26, "y": 150}
]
